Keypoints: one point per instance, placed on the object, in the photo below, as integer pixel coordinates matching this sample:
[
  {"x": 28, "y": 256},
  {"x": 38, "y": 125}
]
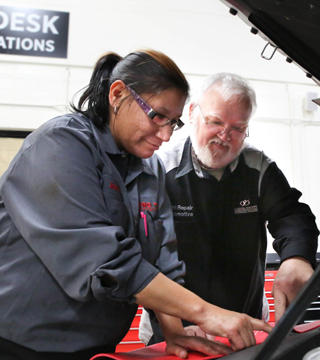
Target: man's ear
[
  {"x": 191, "y": 112},
  {"x": 116, "y": 92}
]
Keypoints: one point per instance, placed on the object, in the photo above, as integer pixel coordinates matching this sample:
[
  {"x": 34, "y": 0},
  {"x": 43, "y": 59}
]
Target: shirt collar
[
  {"x": 108, "y": 144},
  {"x": 107, "y": 141},
  {"x": 186, "y": 164}
]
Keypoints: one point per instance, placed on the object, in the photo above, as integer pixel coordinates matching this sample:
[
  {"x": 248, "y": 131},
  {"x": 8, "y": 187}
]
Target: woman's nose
[{"x": 164, "y": 133}]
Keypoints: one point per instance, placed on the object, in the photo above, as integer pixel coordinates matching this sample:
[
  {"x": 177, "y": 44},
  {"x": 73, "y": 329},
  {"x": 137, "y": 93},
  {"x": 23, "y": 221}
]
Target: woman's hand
[
  {"x": 235, "y": 326},
  {"x": 194, "y": 330},
  {"x": 166, "y": 297},
  {"x": 180, "y": 344}
]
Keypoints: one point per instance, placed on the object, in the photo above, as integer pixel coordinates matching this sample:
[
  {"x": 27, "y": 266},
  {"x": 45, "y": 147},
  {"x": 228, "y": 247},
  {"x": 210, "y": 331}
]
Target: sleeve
[
  {"x": 53, "y": 194},
  {"x": 290, "y": 222}
]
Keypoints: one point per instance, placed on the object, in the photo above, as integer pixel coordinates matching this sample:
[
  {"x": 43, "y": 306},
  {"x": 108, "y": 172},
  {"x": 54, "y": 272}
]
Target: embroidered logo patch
[
  {"x": 114, "y": 186},
  {"x": 182, "y": 210},
  {"x": 148, "y": 206},
  {"x": 245, "y": 208},
  {"x": 245, "y": 202}
]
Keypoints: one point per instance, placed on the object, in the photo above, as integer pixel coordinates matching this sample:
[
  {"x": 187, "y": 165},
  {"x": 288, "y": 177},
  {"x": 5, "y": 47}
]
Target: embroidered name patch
[
  {"x": 182, "y": 210},
  {"x": 248, "y": 209},
  {"x": 245, "y": 208}
]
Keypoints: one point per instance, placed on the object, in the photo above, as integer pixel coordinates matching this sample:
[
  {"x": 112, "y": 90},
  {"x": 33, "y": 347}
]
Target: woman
[{"x": 86, "y": 227}]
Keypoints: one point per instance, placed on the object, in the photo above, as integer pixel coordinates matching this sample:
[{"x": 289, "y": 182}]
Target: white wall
[{"x": 203, "y": 38}]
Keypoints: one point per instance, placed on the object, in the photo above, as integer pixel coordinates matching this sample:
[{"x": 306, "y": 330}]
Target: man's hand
[{"x": 291, "y": 277}]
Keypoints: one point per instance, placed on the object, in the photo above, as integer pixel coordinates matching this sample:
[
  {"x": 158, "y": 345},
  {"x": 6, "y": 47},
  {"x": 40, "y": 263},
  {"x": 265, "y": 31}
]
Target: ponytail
[{"x": 96, "y": 93}]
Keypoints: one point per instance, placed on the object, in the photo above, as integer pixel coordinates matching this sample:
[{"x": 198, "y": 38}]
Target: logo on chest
[
  {"x": 148, "y": 206},
  {"x": 182, "y": 210},
  {"x": 246, "y": 207},
  {"x": 114, "y": 186}
]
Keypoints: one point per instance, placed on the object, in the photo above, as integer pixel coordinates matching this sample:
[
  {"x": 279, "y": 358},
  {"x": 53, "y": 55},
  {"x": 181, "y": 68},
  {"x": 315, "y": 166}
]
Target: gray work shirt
[{"x": 76, "y": 241}]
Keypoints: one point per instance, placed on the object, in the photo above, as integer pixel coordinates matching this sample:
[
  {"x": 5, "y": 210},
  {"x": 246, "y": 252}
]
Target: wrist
[
  {"x": 200, "y": 311},
  {"x": 205, "y": 311},
  {"x": 170, "y": 325}
]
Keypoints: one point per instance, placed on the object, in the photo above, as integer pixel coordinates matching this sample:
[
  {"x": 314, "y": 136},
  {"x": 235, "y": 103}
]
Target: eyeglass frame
[
  {"x": 229, "y": 136},
  {"x": 152, "y": 113}
]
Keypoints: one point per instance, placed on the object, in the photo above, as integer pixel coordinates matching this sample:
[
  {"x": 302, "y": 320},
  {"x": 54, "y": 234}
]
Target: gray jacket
[{"x": 76, "y": 241}]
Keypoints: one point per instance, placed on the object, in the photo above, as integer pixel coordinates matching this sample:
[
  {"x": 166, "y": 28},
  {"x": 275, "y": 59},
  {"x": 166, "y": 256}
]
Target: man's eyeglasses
[
  {"x": 237, "y": 133},
  {"x": 155, "y": 117}
]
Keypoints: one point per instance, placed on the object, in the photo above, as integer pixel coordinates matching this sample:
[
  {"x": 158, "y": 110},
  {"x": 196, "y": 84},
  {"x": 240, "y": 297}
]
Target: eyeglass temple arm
[
  {"x": 145, "y": 107},
  {"x": 151, "y": 113}
]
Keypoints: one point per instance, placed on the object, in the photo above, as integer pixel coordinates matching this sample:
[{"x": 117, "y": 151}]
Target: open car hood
[{"x": 291, "y": 27}]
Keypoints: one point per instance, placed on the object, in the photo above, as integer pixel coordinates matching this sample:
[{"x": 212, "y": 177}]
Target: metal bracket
[{"x": 264, "y": 49}]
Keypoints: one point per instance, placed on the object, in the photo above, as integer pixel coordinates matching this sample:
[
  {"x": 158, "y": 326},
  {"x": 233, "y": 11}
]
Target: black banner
[{"x": 33, "y": 32}]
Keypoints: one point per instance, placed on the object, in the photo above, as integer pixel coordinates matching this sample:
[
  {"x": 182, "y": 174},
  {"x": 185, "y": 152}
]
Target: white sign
[{"x": 33, "y": 32}]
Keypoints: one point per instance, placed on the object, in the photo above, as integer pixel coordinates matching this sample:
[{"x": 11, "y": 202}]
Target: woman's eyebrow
[{"x": 163, "y": 111}]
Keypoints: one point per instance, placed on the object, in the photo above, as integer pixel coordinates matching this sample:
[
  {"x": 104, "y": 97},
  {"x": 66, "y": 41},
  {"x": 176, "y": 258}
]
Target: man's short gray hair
[{"x": 230, "y": 87}]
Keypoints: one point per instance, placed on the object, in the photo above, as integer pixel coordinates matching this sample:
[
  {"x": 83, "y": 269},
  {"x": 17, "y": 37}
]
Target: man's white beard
[
  {"x": 215, "y": 159},
  {"x": 207, "y": 156}
]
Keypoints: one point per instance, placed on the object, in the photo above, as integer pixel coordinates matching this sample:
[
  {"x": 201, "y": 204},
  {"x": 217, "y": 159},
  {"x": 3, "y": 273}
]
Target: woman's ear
[{"x": 116, "y": 93}]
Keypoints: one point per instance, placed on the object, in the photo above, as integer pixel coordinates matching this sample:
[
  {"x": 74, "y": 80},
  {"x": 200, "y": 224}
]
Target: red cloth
[
  {"x": 302, "y": 328},
  {"x": 157, "y": 351}
]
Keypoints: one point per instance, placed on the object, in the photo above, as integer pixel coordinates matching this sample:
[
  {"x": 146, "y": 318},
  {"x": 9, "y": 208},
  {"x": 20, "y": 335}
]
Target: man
[{"x": 223, "y": 194}]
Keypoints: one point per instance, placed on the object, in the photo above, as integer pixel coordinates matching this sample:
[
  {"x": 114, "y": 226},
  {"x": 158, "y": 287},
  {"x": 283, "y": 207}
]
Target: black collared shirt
[{"x": 221, "y": 225}]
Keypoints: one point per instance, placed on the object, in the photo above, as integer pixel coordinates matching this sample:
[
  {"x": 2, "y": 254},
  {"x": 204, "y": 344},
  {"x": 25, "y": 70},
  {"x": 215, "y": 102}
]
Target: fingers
[
  {"x": 190, "y": 332},
  {"x": 210, "y": 337},
  {"x": 242, "y": 341},
  {"x": 280, "y": 303},
  {"x": 177, "y": 350},
  {"x": 182, "y": 344},
  {"x": 261, "y": 325},
  {"x": 245, "y": 336},
  {"x": 194, "y": 330},
  {"x": 239, "y": 330},
  {"x": 291, "y": 277}
]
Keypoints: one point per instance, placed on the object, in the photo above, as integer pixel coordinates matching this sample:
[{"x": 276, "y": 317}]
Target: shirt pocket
[
  {"x": 150, "y": 235},
  {"x": 117, "y": 211}
]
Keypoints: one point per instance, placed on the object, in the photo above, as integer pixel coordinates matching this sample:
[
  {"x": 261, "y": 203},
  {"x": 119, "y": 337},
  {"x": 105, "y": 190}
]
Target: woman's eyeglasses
[{"x": 156, "y": 118}]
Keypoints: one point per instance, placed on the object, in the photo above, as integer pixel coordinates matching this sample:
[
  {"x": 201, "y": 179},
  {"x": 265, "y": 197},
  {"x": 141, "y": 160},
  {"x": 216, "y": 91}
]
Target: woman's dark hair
[{"x": 145, "y": 71}]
